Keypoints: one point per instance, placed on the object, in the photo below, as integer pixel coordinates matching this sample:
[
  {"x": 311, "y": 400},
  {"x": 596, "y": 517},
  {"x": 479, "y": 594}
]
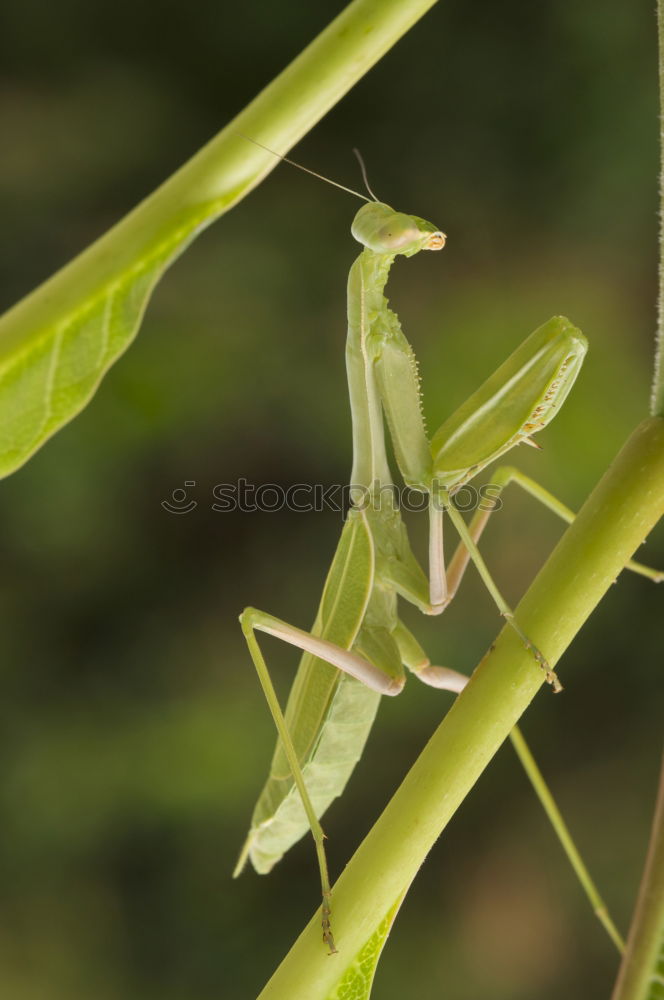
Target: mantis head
[{"x": 381, "y": 229}]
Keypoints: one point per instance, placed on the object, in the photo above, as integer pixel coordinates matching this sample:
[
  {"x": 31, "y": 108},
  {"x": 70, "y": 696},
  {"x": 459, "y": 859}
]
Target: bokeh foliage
[{"x": 135, "y": 737}]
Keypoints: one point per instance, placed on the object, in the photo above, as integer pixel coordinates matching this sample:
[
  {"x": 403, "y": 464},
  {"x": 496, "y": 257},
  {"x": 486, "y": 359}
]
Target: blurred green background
[{"x": 134, "y": 734}]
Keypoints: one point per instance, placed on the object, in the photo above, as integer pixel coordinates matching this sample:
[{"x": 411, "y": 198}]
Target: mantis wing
[{"x": 328, "y": 714}]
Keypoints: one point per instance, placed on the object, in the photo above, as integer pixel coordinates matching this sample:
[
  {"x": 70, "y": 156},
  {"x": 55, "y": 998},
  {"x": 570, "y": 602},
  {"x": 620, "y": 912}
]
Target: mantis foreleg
[{"x": 438, "y": 587}]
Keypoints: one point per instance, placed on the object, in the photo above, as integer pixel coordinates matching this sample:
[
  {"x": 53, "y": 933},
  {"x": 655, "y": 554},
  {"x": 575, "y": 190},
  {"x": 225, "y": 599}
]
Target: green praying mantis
[{"x": 358, "y": 646}]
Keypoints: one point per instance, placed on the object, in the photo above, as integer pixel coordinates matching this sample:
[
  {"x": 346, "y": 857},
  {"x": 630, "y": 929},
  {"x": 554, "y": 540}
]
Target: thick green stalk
[
  {"x": 614, "y": 521},
  {"x": 641, "y": 974}
]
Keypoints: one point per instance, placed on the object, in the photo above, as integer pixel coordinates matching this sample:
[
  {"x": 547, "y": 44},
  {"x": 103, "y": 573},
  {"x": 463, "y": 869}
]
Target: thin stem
[
  {"x": 639, "y": 977},
  {"x": 560, "y": 827},
  {"x": 657, "y": 408}
]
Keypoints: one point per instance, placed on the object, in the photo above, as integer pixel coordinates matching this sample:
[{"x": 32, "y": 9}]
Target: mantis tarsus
[{"x": 358, "y": 646}]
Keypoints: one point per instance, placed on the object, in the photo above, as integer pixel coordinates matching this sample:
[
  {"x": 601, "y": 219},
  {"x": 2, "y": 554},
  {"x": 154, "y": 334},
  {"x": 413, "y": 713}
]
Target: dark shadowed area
[{"x": 134, "y": 734}]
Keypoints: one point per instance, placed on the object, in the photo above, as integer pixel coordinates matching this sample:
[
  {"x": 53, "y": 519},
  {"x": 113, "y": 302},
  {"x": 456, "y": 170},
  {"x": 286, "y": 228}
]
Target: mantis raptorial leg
[{"x": 358, "y": 647}]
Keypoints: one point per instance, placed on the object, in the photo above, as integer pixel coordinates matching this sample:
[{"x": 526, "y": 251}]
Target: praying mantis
[{"x": 358, "y": 646}]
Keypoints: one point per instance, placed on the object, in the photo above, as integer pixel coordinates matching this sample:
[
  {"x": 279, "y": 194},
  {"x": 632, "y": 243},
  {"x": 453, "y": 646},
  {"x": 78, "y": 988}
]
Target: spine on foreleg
[{"x": 399, "y": 381}]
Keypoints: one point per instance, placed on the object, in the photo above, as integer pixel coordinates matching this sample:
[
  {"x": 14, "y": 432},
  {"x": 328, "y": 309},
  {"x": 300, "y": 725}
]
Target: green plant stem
[
  {"x": 562, "y": 832},
  {"x": 658, "y": 376},
  {"x": 639, "y": 971},
  {"x": 228, "y": 167},
  {"x": 613, "y": 522}
]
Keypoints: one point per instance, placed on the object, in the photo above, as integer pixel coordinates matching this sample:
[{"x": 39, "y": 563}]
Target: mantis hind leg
[
  {"x": 503, "y": 476},
  {"x": 501, "y": 603},
  {"x": 468, "y": 550},
  {"x": 415, "y": 658},
  {"x": 249, "y": 620},
  {"x": 386, "y": 678},
  {"x": 432, "y": 597}
]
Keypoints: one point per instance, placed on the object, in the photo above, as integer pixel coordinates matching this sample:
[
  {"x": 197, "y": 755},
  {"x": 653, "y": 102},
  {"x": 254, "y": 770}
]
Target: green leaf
[
  {"x": 358, "y": 978},
  {"x": 49, "y": 378},
  {"x": 656, "y": 981},
  {"x": 57, "y": 344}
]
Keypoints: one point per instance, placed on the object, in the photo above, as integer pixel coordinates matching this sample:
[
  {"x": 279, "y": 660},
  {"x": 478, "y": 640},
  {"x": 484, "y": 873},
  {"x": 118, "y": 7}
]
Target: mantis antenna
[
  {"x": 363, "y": 168},
  {"x": 307, "y": 170}
]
